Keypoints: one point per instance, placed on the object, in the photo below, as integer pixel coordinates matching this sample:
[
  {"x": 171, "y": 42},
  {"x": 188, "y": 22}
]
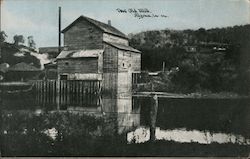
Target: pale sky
[{"x": 40, "y": 17}]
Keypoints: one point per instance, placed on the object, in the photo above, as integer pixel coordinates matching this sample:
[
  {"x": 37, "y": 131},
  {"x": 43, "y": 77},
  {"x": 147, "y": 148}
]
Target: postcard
[{"x": 131, "y": 78}]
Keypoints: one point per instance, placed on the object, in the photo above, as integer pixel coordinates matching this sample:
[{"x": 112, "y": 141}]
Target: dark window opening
[
  {"x": 63, "y": 77},
  {"x": 66, "y": 63},
  {"x": 91, "y": 30}
]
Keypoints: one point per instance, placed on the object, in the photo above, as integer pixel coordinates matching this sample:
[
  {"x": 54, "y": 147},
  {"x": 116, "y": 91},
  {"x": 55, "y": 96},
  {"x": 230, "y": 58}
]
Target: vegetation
[
  {"x": 17, "y": 52},
  {"x": 74, "y": 134},
  {"x": 54, "y": 133},
  {"x": 220, "y": 61},
  {"x": 2, "y": 36},
  {"x": 18, "y": 39}
]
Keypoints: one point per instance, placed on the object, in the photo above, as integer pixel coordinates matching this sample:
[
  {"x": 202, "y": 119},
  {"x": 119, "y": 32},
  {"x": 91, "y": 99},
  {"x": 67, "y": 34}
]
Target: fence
[
  {"x": 68, "y": 93},
  {"x": 139, "y": 79}
]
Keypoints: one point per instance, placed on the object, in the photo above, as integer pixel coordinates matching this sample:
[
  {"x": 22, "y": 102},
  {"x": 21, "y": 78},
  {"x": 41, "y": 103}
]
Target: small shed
[{"x": 50, "y": 70}]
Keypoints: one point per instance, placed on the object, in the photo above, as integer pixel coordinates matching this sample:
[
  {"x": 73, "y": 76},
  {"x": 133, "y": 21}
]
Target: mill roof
[
  {"x": 104, "y": 27},
  {"x": 79, "y": 53},
  {"x": 122, "y": 47}
]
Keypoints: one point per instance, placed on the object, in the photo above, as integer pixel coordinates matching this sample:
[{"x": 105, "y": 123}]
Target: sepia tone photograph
[{"x": 130, "y": 78}]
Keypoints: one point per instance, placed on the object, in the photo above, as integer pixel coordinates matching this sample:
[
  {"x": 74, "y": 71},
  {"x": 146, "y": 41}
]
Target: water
[
  {"x": 142, "y": 134},
  {"x": 52, "y": 133},
  {"x": 219, "y": 115}
]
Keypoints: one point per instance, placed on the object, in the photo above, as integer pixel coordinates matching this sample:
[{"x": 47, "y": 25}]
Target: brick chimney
[{"x": 109, "y": 22}]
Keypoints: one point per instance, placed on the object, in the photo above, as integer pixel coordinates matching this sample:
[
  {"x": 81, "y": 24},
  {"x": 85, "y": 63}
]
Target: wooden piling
[
  {"x": 153, "y": 116},
  {"x": 58, "y": 94}
]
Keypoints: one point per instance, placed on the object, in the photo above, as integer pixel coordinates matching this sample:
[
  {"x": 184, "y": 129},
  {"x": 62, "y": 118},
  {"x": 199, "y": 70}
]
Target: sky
[{"x": 39, "y": 18}]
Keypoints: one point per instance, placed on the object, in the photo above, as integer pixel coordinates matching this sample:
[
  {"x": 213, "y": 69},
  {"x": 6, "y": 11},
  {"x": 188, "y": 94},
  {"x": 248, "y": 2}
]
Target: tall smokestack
[
  {"x": 0, "y": 28},
  {"x": 59, "y": 31}
]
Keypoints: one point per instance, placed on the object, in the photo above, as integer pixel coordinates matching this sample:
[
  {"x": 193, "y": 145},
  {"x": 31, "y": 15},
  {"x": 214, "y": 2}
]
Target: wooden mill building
[{"x": 97, "y": 51}]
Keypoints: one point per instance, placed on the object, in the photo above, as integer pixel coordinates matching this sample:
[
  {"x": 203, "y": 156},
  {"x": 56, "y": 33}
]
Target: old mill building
[{"x": 97, "y": 51}]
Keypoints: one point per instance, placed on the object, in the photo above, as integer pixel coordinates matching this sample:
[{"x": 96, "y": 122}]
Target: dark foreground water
[{"x": 185, "y": 127}]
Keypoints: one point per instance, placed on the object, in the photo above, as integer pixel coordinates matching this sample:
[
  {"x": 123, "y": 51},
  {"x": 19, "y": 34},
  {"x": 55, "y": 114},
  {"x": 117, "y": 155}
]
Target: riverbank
[
  {"x": 77, "y": 134},
  {"x": 81, "y": 146}
]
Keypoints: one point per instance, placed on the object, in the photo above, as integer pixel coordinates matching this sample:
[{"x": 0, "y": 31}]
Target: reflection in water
[
  {"x": 52, "y": 133},
  {"x": 142, "y": 134}
]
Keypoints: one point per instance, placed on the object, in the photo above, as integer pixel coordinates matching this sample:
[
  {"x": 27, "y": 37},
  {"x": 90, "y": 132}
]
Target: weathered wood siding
[
  {"x": 124, "y": 76},
  {"x": 77, "y": 93},
  {"x": 136, "y": 62},
  {"x": 85, "y": 76},
  {"x": 114, "y": 39},
  {"x": 124, "y": 81},
  {"x": 124, "y": 61},
  {"x": 51, "y": 73},
  {"x": 80, "y": 65},
  {"x": 129, "y": 61},
  {"x": 110, "y": 59},
  {"x": 83, "y": 35}
]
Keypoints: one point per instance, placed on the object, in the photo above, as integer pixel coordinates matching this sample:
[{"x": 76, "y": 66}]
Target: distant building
[
  {"x": 22, "y": 72},
  {"x": 51, "y": 70},
  {"x": 211, "y": 47}
]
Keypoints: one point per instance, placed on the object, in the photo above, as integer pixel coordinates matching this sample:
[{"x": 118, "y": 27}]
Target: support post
[
  {"x": 153, "y": 116},
  {"x": 58, "y": 94},
  {"x": 163, "y": 66}
]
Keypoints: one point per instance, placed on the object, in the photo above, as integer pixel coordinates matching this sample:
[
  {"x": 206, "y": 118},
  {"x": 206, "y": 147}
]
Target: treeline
[
  {"x": 16, "y": 52},
  {"x": 219, "y": 61}
]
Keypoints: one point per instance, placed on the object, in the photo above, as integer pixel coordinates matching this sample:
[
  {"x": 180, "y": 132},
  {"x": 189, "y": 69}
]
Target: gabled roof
[
  {"x": 122, "y": 47},
  {"x": 79, "y": 53},
  {"x": 104, "y": 27},
  {"x": 23, "y": 67},
  {"x": 52, "y": 64}
]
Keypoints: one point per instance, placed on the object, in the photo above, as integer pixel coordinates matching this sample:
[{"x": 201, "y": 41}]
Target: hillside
[
  {"x": 19, "y": 62},
  {"x": 13, "y": 54},
  {"x": 215, "y": 60}
]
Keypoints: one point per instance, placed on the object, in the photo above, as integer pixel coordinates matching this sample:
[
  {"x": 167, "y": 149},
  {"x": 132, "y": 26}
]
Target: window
[
  {"x": 66, "y": 63},
  {"x": 91, "y": 30},
  {"x": 63, "y": 77}
]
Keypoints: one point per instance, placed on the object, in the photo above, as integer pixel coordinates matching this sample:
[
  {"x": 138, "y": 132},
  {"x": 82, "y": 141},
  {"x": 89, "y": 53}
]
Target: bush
[{"x": 49, "y": 134}]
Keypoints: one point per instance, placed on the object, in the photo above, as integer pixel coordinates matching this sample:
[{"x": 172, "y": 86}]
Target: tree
[
  {"x": 201, "y": 34},
  {"x": 2, "y": 36},
  {"x": 31, "y": 42},
  {"x": 18, "y": 39}
]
